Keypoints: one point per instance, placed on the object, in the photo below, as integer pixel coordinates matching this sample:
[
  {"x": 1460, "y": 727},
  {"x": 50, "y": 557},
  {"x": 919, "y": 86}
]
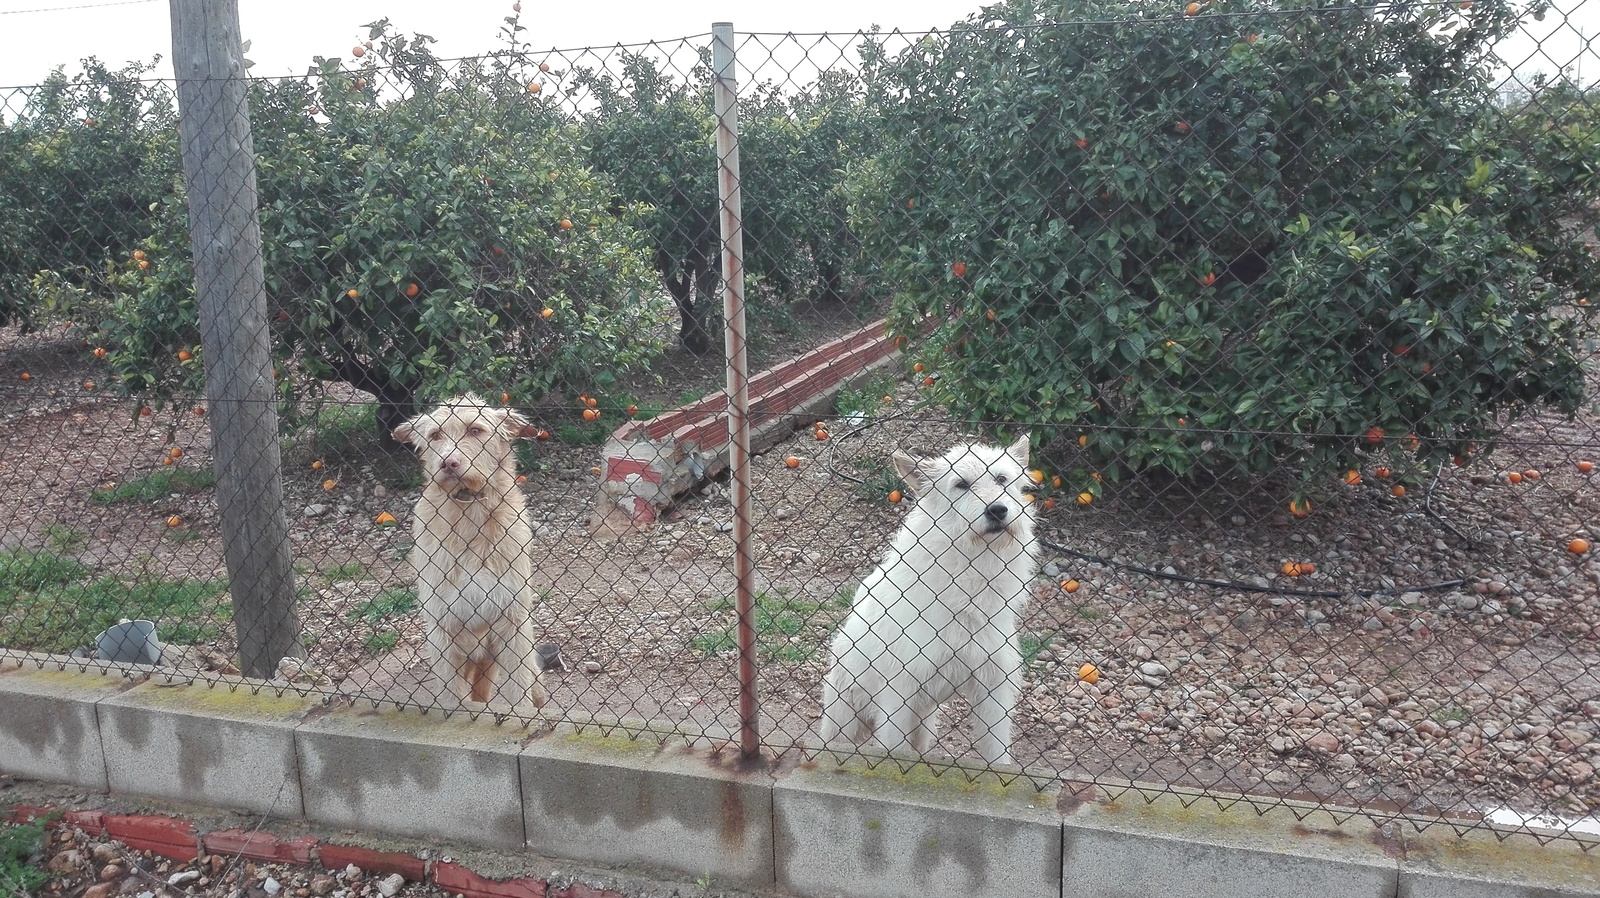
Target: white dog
[
  {"x": 471, "y": 543},
  {"x": 938, "y": 617}
]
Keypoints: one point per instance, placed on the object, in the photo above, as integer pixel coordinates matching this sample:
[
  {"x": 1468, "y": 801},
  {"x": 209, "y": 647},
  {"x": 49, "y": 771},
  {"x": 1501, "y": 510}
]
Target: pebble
[
  {"x": 271, "y": 886},
  {"x": 183, "y": 878},
  {"x": 591, "y": 666},
  {"x": 390, "y": 885}
]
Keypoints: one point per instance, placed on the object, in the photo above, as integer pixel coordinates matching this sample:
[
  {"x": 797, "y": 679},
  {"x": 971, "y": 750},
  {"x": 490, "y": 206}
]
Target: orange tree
[
  {"x": 654, "y": 135},
  {"x": 81, "y": 162},
  {"x": 425, "y": 230},
  {"x": 1230, "y": 241}
]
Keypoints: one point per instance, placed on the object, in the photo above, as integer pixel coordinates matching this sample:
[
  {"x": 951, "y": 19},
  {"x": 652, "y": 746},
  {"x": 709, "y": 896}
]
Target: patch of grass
[
  {"x": 1031, "y": 644},
  {"x": 156, "y": 485},
  {"x": 381, "y": 642},
  {"x": 1452, "y": 713},
  {"x": 392, "y": 602},
  {"x": 350, "y": 570},
  {"x": 589, "y": 433},
  {"x": 878, "y": 478},
  {"x": 340, "y": 429},
  {"x": 1090, "y": 614},
  {"x": 52, "y": 604},
  {"x": 22, "y": 849},
  {"x": 781, "y": 624},
  {"x": 65, "y": 539}
]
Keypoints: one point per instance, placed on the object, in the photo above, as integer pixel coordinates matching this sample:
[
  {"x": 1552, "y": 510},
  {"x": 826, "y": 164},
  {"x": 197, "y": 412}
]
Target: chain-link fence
[{"x": 1291, "y": 301}]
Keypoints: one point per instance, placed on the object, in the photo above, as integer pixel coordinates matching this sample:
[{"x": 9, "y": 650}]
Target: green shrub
[
  {"x": 1234, "y": 241},
  {"x": 417, "y": 222}
]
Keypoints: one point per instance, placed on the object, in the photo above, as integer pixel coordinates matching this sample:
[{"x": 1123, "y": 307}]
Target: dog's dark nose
[{"x": 997, "y": 512}]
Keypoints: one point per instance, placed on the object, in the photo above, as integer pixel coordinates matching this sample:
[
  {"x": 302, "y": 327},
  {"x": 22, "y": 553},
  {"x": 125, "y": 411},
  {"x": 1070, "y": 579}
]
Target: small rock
[
  {"x": 315, "y": 509},
  {"x": 390, "y": 885},
  {"x": 1154, "y": 669},
  {"x": 352, "y": 873},
  {"x": 183, "y": 877},
  {"x": 591, "y": 666},
  {"x": 100, "y": 890},
  {"x": 1324, "y": 742},
  {"x": 110, "y": 872},
  {"x": 322, "y": 885},
  {"x": 65, "y": 862},
  {"x": 271, "y": 886}
]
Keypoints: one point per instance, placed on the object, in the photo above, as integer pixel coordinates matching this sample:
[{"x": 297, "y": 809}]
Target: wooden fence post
[{"x": 225, "y": 237}]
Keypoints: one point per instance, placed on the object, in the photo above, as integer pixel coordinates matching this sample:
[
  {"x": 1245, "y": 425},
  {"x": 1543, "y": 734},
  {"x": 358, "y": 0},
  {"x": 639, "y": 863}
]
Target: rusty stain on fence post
[{"x": 731, "y": 215}]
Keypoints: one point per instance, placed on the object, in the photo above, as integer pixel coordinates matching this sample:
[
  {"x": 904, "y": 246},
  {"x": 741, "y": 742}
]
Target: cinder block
[
  {"x": 403, "y": 772},
  {"x": 887, "y": 833},
  {"x": 48, "y": 728},
  {"x": 230, "y": 745},
  {"x": 1442, "y": 864},
  {"x": 619, "y": 802},
  {"x": 1185, "y": 847}
]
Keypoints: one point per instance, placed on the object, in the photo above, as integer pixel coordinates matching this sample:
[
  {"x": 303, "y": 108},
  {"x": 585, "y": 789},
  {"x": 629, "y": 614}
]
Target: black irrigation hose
[{"x": 876, "y": 421}]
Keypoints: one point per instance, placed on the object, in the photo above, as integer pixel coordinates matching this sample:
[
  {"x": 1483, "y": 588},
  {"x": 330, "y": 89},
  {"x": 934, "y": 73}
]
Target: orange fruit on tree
[
  {"x": 1300, "y": 507},
  {"x": 505, "y": 398},
  {"x": 1085, "y": 498},
  {"x": 917, "y": 368},
  {"x": 1081, "y": 142},
  {"x": 590, "y": 414},
  {"x": 547, "y": 313},
  {"x": 99, "y": 352},
  {"x": 1056, "y": 481},
  {"x": 928, "y": 381},
  {"x": 358, "y": 51},
  {"x": 534, "y": 87},
  {"x": 1374, "y": 434},
  {"x": 959, "y": 269},
  {"x": 632, "y": 410},
  {"x": 592, "y": 402},
  {"x": 138, "y": 255},
  {"x": 1578, "y": 546},
  {"x": 1413, "y": 442},
  {"x": 412, "y": 290},
  {"x": 1083, "y": 439},
  {"x": 1193, "y": 9},
  {"x": 353, "y": 293},
  {"x": 185, "y": 355},
  {"x": 144, "y": 264},
  {"x": 1209, "y": 279},
  {"x": 1036, "y": 475},
  {"x": 566, "y": 224}
]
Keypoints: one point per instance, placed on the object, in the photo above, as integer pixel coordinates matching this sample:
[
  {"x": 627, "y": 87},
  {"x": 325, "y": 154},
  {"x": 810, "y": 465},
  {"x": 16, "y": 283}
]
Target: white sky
[{"x": 285, "y": 34}]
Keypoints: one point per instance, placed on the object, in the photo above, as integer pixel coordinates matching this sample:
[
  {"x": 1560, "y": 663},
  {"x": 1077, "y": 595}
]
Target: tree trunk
[{"x": 225, "y": 237}]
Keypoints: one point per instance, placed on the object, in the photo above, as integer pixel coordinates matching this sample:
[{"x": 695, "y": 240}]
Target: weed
[
  {"x": 22, "y": 847},
  {"x": 156, "y": 485},
  {"x": 65, "y": 539},
  {"x": 1031, "y": 644},
  {"x": 350, "y": 570},
  {"x": 878, "y": 478},
  {"x": 1452, "y": 713},
  {"x": 382, "y": 641},
  {"x": 781, "y": 623},
  {"x": 392, "y": 602},
  {"x": 1090, "y": 614}
]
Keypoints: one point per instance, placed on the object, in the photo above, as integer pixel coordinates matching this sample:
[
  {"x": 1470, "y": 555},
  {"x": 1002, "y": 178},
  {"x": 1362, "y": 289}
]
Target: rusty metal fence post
[{"x": 730, "y": 214}]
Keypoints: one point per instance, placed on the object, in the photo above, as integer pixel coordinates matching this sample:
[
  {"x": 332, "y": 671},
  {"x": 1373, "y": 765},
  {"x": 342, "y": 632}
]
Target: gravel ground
[{"x": 1442, "y": 660}]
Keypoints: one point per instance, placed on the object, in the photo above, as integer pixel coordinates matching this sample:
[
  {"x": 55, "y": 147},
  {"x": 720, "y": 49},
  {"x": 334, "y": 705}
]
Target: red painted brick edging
[{"x": 175, "y": 838}]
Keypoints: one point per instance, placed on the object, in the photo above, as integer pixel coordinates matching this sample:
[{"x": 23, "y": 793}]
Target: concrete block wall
[{"x": 809, "y": 827}]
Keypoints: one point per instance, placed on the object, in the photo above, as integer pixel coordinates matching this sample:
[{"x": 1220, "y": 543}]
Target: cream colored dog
[
  {"x": 471, "y": 541},
  {"x": 938, "y": 617}
]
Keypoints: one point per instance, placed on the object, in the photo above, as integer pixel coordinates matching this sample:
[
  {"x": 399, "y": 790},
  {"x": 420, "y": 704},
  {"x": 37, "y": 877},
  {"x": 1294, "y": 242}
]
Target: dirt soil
[{"x": 1443, "y": 659}]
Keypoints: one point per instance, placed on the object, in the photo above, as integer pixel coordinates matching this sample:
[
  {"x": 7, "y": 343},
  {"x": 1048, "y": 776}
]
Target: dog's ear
[
  {"x": 406, "y": 432},
  {"x": 1019, "y": 450},
  {"x": 907, "y": 468}
]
